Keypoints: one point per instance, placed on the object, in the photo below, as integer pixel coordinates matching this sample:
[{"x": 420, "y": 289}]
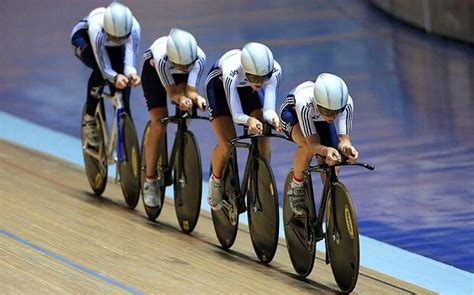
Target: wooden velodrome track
[{"x": 56, "y": 237}]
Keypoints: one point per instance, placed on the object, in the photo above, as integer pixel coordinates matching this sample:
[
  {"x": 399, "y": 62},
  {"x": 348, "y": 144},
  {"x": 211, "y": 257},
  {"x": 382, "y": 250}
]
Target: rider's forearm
[
  {"x": 318, "y": 149},
  {"x": 177, "y": 97},
  {"x": 268, "y": 115},
  {"x": 191, "y": 93},
  {"x": 344, "y": 141}
]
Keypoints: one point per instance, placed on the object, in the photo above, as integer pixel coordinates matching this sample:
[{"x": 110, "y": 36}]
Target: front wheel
[
  {"x": 300, "y": 240},
  {"x": 128, "y": 165},
  {"x": 342, "y": 238},
  {"x": 188, "y": 183},
  {"x": 263, "y": 213},
  {"x": 95, "y": 158},
  {"x": 154, "y": 212}
]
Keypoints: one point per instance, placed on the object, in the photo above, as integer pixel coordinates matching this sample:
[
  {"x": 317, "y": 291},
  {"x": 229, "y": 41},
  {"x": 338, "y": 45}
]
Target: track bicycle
[
  {"x": 120, "y": 147},
  {"x": 341, "y": 232},
  {"x": 258, "y": 184},
  {"x": 185, "y": 161}
]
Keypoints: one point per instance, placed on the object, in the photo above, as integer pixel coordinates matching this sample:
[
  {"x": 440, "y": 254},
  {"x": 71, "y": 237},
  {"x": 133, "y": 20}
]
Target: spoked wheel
[
  {"x": 188, "y": 183},
  {"x": 154, "y": 212},
  {"x": 129, "y": 166},
  {"x": 226, "y": 220},
  {"x": 263, "y": 213},
  {"x": 95, "y": 159},
  {"x": 300, "y": 240},
  {"x": 342, "y": 239}
]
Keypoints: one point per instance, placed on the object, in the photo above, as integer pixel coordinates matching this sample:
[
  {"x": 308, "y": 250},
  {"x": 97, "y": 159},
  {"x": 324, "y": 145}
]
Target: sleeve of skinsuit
[
  {"x": 344, "y": 120},
  {"x": 271, "y": 89},
  {"x": 197, "y": 69},
  {"x": 305, "y": 113},
  {"x": 233, "y": 98},
  {"x": 97, "y": 38},
  {"x": 131, "y": 50},
  {"x": 161, "y": 67}
]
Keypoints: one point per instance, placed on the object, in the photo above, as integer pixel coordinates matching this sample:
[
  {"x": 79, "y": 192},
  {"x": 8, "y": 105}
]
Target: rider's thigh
[
  {"x": 224, "y": 129},
  {"x": 298, "y": 137}
]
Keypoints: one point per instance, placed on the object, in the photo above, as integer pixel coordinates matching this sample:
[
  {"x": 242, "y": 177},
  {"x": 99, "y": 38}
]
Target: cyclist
[
  {"x": 107, "y": 41},
  {"x": 173, "y": 66},
  {"x": 309, "y": 116},
  {"x": 241, "y": 88}
]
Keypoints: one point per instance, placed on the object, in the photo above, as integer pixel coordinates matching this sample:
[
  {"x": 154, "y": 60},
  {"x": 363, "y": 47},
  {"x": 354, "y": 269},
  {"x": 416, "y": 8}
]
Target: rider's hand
[
  {"x": 255, "y": 126},
  {"x": 276, "y": 123},
  {"x": 350, "y": 152},
  {"x": 332, "y": 156},
  {"x": 121, "y": 82},
  {"x": 201, "y": 103},
  {"x": 185, "y": 103},
  {"x": 134, "y": 80}
]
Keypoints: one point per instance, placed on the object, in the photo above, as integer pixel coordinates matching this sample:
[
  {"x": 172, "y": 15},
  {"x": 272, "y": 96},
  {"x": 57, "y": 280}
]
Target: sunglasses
[
  {"x": 329, "y": 113},
  {"x": 258, "y": 79},
  {"x": 117, "y": 39},
  {"x": 181, "y": 67}
]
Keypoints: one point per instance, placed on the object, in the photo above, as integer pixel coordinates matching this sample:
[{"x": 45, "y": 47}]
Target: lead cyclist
[{"x": 317, "y": 116}]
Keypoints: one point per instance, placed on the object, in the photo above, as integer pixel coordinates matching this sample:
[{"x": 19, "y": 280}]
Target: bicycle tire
[
  {"x": 263, "y": 221},
  {"x": 128, "y": 168},
  {"x": 154, "y": 212},
  {"x": 188, "y": 184},
  {"x": 226, "y": 230},
  {"x": 343, "y": 254},
  {"x": 297, "y": 230},
  {"x": 96, "y": 171}
]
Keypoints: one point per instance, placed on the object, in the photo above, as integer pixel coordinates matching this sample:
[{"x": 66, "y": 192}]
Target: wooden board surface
[{"x": 57, "y": 237}]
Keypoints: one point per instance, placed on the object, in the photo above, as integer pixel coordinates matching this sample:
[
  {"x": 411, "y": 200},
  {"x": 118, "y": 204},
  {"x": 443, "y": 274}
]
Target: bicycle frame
[
  {"x": 113, "y": 137},
  {"x": 180, "y": 118},
  {"x": 328, "y": 193},
  {"x": 251, "y": 164}
]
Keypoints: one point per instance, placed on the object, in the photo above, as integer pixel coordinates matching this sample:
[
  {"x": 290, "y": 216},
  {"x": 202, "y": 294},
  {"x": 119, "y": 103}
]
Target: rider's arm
[
  {"x": 316, "y": 147},
  {"x": 175, "y": 93},
  {"x": 162, "y": 69},
  {"x": 271, "y": 89},
  {"x": 196, "y": 70},
  {"x": 305, "y": 114},
  {"x": 343, "y": 125},
  {"x": 344, "y": 141},
  {"x": 233, "y": 98},
  {"x": 343, "y": 122},
  {"x": 131, "y": 50},
  {"x": 191, "y": 92},
  {"x": 97, "y": 37},
  {"x": 195, "y": 73}
]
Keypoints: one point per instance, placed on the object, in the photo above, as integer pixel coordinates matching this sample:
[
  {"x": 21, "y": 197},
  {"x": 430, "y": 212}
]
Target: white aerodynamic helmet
[
  {"x": 256, "y": 59},
  {"x": 118, "y": 20},
  {"x": 181, "y": 47},
  {"x": 330, "y": 92}
]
